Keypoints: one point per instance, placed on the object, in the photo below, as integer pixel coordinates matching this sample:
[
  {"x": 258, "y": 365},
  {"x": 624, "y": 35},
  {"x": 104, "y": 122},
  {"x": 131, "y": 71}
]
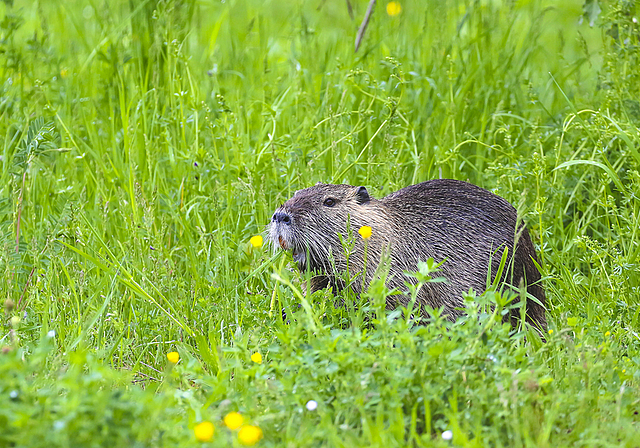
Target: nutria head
[{"x": 310, "y": 222}]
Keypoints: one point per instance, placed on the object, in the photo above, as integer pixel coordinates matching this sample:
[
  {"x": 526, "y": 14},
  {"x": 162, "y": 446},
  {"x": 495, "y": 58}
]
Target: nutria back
[{"x": 461, "y": 224}]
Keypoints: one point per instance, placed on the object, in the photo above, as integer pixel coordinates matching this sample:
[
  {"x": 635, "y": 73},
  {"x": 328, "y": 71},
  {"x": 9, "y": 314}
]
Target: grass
[{"x": 144, "y": 143}]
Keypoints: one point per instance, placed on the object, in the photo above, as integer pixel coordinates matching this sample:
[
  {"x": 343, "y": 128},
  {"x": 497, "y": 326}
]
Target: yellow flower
[
  {"x": 394, "y": 8},
  {"x": 256, "y": 241},
  {"x": 550, "y": 331},
  {"x": 365, "y": 232},
  {"x": 233, "y": 420},
  {"x": 257, "y": 358},
  {"x": 250, "y": 435},
  {"x": 204, "y": 431},
  {"x": 607, "y": 334},
  {"x": 173, "y": 357},
  {"x": 64, "y": 73}
]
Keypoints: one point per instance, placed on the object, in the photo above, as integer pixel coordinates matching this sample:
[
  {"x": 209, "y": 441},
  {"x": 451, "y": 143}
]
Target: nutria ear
[{"x": 362, "y": 195}]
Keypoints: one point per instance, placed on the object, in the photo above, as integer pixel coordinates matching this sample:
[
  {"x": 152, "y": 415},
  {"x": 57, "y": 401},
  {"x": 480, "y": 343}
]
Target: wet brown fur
[{"x": 449, "y": 220}]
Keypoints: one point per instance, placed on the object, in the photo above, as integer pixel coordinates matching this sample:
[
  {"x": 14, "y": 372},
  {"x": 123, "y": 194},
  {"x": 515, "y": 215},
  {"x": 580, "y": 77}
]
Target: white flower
[
  {"x": 51, "y": 334},
  {"x": 447, "y": 435},
  {"x": 312, "y": 405}
]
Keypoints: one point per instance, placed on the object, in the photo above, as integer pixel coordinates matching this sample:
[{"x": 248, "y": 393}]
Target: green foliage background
[{"x": 144, "y": 142}]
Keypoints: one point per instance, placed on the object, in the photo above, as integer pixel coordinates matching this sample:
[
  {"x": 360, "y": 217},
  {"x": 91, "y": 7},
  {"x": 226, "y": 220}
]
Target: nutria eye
[{"x": 329, "y": 202}]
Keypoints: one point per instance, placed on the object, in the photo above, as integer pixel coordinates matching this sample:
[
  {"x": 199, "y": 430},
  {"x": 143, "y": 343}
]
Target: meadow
[{"x": 144, "y": 143}]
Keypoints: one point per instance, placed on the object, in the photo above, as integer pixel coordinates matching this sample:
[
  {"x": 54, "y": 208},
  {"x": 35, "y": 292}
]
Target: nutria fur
[{"x": 460, "y": 223}]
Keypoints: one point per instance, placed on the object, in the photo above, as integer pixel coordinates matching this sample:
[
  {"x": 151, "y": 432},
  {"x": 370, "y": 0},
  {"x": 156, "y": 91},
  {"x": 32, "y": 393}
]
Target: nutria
[{"x": 461, "y": 224}]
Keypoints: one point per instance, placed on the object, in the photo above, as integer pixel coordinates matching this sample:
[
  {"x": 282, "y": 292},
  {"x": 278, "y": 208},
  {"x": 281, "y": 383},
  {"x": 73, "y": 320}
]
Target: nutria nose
[{"x": 282, "y": 217}]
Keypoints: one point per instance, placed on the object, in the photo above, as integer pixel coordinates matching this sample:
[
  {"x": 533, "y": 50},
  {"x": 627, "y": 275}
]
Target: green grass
[{"x": 143, "y": 143}]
